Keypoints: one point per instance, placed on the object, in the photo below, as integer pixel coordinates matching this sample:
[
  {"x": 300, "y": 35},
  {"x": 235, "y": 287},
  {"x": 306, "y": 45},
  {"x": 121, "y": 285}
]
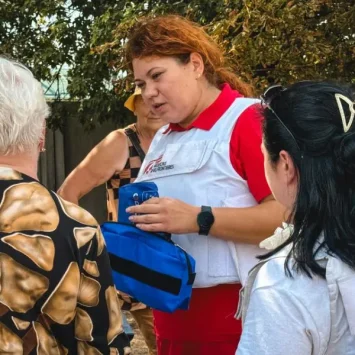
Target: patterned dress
[
  {"x": 126, "y": 176},
  {"x": 56, "y": 289}
]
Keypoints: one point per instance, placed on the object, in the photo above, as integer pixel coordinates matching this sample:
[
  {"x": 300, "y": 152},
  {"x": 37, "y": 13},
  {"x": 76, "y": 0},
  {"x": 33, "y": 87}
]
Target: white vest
[{"x": 194, "y": 166}]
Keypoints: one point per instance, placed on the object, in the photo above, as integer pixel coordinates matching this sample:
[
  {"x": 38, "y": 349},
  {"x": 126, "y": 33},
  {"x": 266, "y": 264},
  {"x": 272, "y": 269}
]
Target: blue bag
[
  {"x": 148, "y": 266},
  {"x": 134, "y": 194}
]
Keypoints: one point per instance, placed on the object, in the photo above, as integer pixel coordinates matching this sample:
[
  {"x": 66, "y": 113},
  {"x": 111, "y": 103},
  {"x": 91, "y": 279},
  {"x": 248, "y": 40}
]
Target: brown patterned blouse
[{"x": 56, "y": 294}]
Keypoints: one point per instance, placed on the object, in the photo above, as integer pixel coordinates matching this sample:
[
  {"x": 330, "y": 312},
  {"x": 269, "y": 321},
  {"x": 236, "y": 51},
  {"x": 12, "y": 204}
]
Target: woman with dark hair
[{"x": 300, "y": 299}]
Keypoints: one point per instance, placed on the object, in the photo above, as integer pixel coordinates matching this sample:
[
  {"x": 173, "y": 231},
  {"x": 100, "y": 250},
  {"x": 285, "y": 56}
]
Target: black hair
[{"x": 324, "y": 157}]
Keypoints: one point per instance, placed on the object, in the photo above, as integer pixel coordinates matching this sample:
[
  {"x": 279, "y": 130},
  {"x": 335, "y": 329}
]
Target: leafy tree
[
  {"x": 49, "y": 35},
  {"x": 266, "y": 41}
]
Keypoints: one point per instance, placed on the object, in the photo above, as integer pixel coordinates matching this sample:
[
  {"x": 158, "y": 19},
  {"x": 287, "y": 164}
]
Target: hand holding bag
[{"x": 148, "y": 266}]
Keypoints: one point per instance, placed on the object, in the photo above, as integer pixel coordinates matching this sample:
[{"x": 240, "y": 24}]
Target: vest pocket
[
  {"x": 174, "y": 159},
  {"x": 220, "y": 260}
]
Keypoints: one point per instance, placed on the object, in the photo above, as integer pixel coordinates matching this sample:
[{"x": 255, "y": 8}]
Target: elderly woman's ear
[{"x": 42, "y": 142}]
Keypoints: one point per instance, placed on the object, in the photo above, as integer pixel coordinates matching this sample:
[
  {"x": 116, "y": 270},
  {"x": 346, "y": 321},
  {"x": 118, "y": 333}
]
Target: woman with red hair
[{"x": 208, "y": 167}]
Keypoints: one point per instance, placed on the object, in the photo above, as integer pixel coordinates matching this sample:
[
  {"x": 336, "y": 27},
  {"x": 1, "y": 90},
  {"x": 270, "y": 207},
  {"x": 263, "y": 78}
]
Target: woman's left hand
[{"x": 165, "y": 215}]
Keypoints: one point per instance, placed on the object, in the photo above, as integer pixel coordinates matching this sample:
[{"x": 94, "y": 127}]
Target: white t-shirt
[{"x": 300, "y": 315}]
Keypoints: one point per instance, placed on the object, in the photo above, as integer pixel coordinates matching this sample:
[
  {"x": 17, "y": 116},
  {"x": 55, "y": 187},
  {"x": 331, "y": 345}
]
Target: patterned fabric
[
  {"x": 127, "y": 176},
  {"x": 56, "y": 294}
]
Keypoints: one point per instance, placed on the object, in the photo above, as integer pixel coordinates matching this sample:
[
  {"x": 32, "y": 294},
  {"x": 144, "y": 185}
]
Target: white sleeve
[{"x": 277, "y": 323}]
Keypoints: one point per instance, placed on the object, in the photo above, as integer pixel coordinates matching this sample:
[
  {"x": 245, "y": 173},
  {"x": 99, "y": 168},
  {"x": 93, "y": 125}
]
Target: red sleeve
[{"x": 245, "y": 152}]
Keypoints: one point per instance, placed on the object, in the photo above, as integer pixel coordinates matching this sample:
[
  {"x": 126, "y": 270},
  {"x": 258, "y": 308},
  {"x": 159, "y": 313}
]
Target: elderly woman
[
  {"x": 116, "y": 161},
  {"x": 56, "y": 288}
]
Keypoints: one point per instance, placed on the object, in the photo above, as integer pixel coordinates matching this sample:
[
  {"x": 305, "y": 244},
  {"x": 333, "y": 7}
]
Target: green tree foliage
[{"x": 266, "y": 41}]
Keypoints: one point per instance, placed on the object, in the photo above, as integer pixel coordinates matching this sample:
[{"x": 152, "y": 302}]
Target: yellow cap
[{"x": 130, "y": 101}]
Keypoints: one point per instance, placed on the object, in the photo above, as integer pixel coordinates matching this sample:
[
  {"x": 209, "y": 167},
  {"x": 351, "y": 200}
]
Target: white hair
[{"x": 23, "y": 108}]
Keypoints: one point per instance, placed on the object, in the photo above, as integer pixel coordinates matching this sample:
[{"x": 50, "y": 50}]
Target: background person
[
  {"x": 302, "y": 301},
  {"x": 56, "y": 291},
  {"x": 116, "y": 161},
  {"x": 208, "y": 156}
]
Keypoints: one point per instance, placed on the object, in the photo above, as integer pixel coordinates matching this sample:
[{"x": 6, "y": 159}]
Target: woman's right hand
[{"x": 165, "y": 215}]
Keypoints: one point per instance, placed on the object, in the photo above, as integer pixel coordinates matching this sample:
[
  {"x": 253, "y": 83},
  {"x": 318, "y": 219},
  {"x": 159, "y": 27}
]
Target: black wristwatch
[{"x": 205, "y": 219}]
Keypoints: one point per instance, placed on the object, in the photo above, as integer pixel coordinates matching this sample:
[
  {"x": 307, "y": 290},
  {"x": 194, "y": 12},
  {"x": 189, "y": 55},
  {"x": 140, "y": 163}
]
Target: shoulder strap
[
  {"x": 133, "y": 137},
  {"x": 245, "y": 292}
]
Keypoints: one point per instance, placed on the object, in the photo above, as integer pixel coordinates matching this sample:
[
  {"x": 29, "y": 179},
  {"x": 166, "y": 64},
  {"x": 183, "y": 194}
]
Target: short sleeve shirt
[
  {"x": 245, "y": 145},
  {"x": 56, "y": 293}
]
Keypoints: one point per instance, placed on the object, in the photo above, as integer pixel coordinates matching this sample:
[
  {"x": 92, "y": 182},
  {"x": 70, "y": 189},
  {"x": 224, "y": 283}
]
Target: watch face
[{"x": 205, "y": 219}]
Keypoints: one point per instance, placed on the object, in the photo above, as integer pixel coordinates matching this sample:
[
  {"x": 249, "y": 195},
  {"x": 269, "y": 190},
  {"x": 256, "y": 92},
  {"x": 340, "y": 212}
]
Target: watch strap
[
  {"x": 206, "y": 209},
  {"x": 204, "y": 228}
]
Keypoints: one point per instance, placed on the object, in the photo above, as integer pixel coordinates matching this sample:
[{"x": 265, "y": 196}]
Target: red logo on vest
[{"x": 151, "y": 164}]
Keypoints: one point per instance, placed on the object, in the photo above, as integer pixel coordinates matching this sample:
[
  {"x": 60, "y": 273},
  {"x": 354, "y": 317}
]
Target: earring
[
  {"x": 198, "y": 76},
  {"x": 43, "y": 150}
]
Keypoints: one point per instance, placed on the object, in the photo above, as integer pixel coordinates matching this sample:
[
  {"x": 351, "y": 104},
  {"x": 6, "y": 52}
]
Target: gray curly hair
[{"x": 23, "y": 108}]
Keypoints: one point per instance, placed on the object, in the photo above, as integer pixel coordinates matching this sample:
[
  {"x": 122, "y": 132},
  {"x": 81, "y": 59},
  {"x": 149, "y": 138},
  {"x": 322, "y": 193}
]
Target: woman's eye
[
  {"x": 140, "y": 85},
  {"x": 156, "y": 75}
]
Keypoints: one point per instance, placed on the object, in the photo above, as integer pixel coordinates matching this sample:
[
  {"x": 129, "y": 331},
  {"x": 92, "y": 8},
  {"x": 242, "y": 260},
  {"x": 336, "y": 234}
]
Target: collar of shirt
[{"x": 211, "y": 114}]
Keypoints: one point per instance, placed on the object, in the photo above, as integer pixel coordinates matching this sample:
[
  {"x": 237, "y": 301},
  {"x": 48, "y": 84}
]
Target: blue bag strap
[{"x": 145, "y": 275}]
